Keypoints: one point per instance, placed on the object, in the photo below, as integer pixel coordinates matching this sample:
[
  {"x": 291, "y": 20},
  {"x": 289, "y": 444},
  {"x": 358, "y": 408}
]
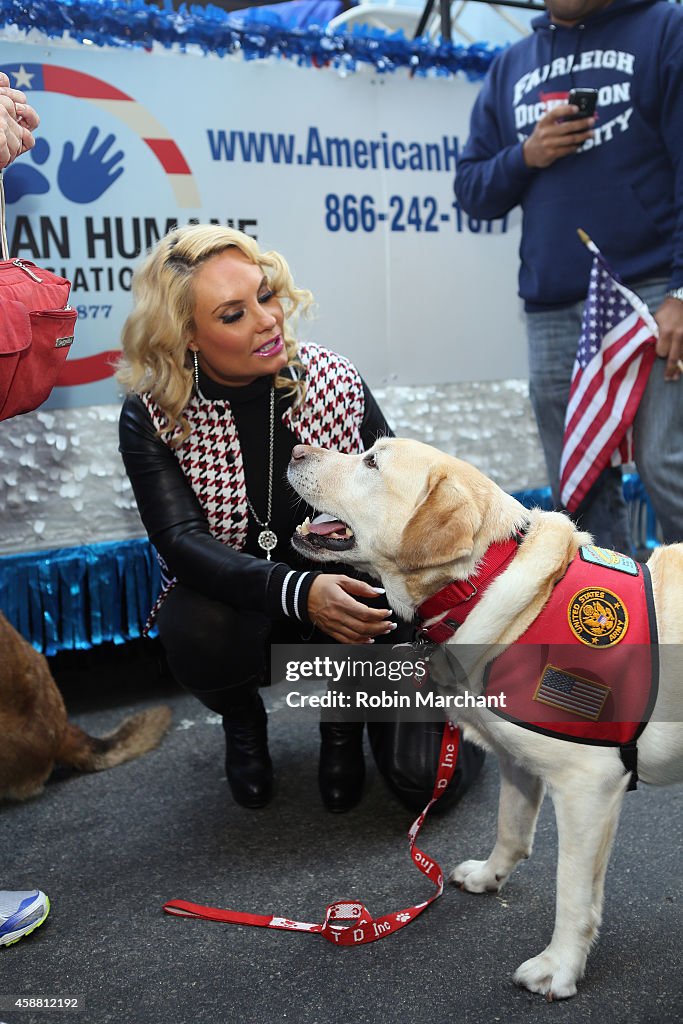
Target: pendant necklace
[{"x": 267, "y": 538}]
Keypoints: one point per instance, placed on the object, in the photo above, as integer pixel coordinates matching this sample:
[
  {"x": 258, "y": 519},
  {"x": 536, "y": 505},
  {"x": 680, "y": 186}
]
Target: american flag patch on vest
[{"x": 571, "y": 693}]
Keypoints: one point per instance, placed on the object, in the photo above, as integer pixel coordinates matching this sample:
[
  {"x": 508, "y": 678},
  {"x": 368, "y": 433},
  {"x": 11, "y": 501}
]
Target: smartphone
[{"x": 586, "y": 100}]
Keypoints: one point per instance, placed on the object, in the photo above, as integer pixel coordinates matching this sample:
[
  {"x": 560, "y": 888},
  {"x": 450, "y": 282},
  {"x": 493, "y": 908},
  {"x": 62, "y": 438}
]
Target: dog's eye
[{"x": 370, "y": 461}]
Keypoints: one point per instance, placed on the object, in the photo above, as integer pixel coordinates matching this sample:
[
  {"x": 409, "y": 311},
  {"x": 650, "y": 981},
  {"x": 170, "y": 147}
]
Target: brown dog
[{"x": 34, "y": 730}]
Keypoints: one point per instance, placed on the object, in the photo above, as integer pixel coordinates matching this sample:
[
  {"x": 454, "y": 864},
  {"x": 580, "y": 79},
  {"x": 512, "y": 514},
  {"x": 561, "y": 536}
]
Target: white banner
[{"x": 351, "y": 178}]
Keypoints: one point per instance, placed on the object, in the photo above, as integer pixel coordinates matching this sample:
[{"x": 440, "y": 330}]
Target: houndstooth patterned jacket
[{"x": 330, "y": 416}]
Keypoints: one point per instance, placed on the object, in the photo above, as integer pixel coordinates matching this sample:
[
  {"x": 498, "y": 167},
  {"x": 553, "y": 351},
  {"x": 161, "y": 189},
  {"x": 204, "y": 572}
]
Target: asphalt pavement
[{"x": 111, "y": 848}]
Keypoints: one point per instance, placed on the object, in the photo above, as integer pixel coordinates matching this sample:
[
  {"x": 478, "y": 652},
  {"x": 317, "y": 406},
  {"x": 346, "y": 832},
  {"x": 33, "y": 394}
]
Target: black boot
[
  {"x": 407, "y": 755},
  {"x": 341, "y": 771},
  {"x": 247, "y": 761}
]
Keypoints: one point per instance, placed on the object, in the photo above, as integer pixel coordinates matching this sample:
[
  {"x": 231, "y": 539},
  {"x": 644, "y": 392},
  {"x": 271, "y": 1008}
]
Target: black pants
[{"x": 220, "y": 654}]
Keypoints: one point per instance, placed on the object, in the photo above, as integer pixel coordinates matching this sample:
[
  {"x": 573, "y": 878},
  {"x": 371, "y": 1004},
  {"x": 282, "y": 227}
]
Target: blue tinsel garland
[
  {"x": 79, "y": 597},
  {"x": 253, "y": 34}
]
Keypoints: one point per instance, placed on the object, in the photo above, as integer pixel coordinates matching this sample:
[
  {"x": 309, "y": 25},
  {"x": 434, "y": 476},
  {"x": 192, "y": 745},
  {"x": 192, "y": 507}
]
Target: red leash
[{"x": 347, "y": 922}]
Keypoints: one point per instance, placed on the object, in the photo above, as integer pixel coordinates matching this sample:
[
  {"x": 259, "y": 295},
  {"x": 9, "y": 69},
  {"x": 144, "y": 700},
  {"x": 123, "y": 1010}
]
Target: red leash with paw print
[{"x": 347, "y": 922}]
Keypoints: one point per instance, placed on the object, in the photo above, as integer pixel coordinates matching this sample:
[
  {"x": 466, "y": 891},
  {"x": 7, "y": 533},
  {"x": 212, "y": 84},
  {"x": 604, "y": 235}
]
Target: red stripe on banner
[
  {"x": 89, "y": 369},
  {"x": 169, "y": 156},
  {"x": 360, "y": 926},
  {"x": 75, "y": 83}
]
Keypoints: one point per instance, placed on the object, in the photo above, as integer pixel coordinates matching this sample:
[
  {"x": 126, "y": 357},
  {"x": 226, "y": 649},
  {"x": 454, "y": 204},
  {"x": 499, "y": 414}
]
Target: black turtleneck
[{"x": 250, "y": 406}]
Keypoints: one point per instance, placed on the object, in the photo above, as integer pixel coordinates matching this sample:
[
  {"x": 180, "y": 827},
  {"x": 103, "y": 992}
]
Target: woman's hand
[{"x": 332, "y": 609}]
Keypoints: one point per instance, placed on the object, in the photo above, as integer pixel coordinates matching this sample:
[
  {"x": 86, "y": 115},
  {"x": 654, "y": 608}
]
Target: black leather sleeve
[{"x": 178, "y": 529}]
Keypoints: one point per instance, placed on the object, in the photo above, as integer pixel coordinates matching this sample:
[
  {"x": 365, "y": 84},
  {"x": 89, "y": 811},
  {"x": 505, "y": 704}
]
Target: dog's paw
[
  {"x": 548, "y": 975},
  {"x": 476, "y": 876}
]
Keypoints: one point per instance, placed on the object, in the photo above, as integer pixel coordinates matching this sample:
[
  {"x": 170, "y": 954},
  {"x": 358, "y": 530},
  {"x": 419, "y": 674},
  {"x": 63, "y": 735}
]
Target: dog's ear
[{"x": 440, "y": 529}]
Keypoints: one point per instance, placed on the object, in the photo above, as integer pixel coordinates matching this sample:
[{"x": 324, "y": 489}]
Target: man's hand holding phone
[
  {"x": 562, "y": 130},
  {"x": 585, "y": 101}
]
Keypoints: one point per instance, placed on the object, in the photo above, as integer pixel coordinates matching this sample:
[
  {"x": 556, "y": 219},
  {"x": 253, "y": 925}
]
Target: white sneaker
[{"x": 20, "y": 913}]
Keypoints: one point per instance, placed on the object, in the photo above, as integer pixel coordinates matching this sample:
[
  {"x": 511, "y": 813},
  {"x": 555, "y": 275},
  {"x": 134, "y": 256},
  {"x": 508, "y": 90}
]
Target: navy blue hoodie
[{"x": 624, "y": 187}]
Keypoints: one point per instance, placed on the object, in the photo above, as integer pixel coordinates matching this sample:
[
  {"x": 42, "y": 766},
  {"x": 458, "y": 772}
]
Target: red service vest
[{"x": 586, "y": 670}]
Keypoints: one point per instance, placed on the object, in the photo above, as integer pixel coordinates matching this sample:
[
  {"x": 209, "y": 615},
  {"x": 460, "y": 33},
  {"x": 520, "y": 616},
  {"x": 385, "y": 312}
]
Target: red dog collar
[{"x": 454, "y": 602}]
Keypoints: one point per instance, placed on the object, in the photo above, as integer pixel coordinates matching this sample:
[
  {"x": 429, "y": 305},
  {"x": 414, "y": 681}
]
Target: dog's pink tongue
[{"x": 324, "y": 525}]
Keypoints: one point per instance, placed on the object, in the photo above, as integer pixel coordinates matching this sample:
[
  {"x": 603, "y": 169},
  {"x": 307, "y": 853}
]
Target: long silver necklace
[{"x": 267, "y": 538}]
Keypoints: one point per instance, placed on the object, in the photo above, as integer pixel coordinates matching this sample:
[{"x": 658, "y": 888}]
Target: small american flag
[
  {"x": 571, "y": 693},
  {"x": 613, "y": 361}
]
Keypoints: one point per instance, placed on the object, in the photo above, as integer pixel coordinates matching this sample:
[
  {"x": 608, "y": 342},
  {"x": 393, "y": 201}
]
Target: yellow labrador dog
[{"x": 419, "y": 520}]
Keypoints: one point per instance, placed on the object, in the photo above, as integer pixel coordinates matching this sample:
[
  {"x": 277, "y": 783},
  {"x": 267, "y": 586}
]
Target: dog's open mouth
[{"x": 325, "y": 532}]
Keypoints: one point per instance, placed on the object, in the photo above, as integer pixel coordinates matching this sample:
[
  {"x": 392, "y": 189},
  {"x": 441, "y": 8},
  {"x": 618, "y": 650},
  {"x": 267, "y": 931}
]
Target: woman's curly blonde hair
[{"x": 155, "y": 358}]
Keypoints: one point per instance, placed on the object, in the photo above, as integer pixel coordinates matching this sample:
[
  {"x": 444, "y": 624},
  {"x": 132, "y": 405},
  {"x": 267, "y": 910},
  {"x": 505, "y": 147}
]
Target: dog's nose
[{"x": 299, "y": 452}]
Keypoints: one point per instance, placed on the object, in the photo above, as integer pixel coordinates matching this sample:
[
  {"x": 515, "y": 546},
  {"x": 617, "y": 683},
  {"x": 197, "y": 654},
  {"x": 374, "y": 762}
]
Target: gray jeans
[{"x": 658, "y": 428}]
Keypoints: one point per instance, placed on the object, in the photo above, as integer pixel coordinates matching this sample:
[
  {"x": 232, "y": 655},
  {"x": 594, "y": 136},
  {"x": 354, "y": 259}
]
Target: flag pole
[{"x": 588, "y": 242}]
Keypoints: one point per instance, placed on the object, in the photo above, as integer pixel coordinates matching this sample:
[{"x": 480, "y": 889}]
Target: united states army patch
[
  {"x": 597, "y": 617},
  {"x": 608, "y": 559}
]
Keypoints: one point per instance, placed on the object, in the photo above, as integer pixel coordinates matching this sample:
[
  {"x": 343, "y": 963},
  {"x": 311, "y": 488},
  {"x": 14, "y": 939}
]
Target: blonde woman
[{"x": 220, "y": 392}]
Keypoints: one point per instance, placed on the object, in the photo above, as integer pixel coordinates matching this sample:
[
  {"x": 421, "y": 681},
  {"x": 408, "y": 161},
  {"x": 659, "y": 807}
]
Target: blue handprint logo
[
  {"x": 23, "y": 179},
  {"x": 86, "y": 177},
  {"x": 81, "y": 178}
]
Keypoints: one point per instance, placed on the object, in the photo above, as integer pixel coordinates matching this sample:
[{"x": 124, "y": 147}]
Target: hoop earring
[{"x": 195, "y": 370}]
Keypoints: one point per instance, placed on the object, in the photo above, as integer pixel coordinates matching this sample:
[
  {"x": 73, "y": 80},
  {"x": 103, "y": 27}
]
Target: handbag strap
[
  {"x": 4, "y": 249},
  {"x": 3, "y": 228}
]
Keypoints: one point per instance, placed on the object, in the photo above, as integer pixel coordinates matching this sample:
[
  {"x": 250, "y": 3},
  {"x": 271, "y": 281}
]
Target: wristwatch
[{"x": 675, "y": 293}]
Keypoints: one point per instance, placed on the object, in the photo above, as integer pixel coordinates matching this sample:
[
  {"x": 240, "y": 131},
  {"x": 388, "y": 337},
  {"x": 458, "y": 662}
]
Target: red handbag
[{"x": 36, "y": 329}]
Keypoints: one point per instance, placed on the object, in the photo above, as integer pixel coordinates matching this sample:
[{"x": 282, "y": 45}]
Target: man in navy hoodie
[{"x": 619, "y": 176}]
